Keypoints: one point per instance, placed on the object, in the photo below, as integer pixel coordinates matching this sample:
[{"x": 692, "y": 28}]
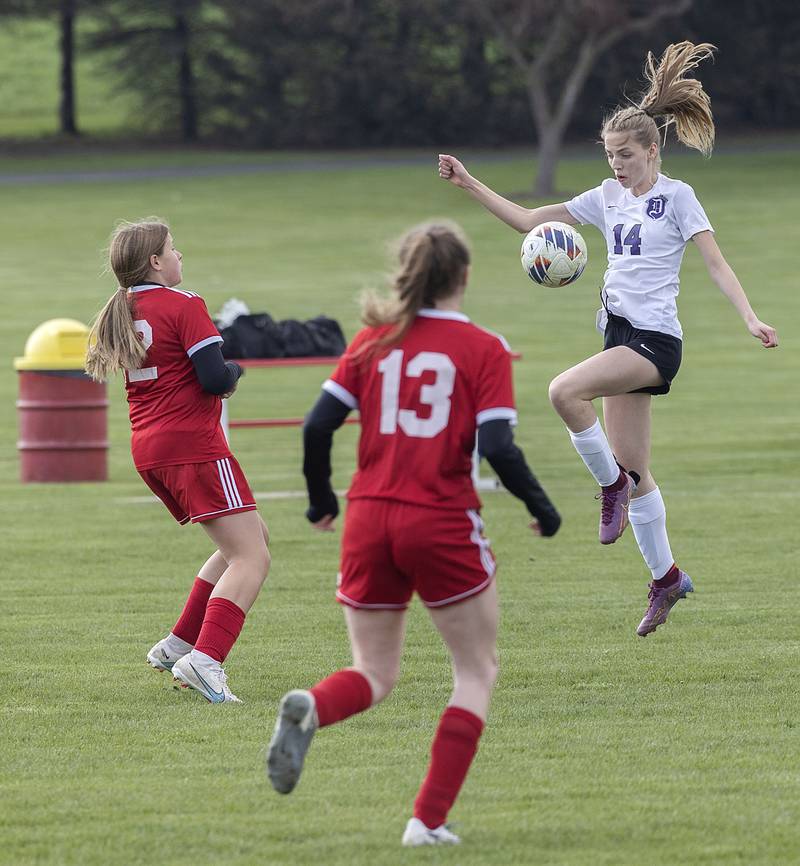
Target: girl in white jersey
[{"x": 647, "y": 219}]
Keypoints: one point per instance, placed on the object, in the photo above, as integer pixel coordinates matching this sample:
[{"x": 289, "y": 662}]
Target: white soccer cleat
[
  {"x": 162, "y": 656},
  {"x": 205, "y": 675},
  {"x": 418, "y": 834}
]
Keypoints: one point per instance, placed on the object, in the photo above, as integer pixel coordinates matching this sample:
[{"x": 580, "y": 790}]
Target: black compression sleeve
[
  {"x": 496, "y": 444},
  {"x": 326, "y": 416},
  {"x": 216, "y": 375}
]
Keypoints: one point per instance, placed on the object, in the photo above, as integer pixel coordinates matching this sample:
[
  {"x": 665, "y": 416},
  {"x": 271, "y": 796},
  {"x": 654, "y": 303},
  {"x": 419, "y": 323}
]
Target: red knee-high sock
[
  {"x": 221, "y": 626},
  {"x": 191, "y": 619},
  {"x": 341, "y": 695},
  {"x": 453, "y": 749}
]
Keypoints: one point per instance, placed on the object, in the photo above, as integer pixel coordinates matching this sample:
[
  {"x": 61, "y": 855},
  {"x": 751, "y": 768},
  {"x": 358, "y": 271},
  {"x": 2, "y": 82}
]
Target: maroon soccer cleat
[
  {"x": 662, "y": 600},
  {"x": 614, "y": 502}
]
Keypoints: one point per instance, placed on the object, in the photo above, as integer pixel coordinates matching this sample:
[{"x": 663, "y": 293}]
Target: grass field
[{"x": 602, "y": 749}]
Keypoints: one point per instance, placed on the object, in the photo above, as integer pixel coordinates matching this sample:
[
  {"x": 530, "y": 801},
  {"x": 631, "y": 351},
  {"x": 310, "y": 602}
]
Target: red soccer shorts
[
  {"x": 390, "y": 549},
  {"x": 201, "y": 491}
]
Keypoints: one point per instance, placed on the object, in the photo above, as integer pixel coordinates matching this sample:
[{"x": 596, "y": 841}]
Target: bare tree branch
[
  {"x": 556, "y": 37},
  {"x": 584, "y": 32},
  {"x": 509, "y": 43},
  {"x": 640, "y": 25}
]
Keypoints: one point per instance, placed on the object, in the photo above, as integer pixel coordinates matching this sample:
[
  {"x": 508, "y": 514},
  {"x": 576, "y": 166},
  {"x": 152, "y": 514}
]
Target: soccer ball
[{"x": 553, "y": 254}]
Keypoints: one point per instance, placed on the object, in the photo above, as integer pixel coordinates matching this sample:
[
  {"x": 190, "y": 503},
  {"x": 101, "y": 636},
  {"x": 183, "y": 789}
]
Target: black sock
[{"x": 635, "y": 475}]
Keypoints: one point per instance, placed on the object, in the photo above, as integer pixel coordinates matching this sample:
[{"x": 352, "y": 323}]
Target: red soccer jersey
[
  {"x": 421, "y": 403},
  {"x": 173, "y": 420}
]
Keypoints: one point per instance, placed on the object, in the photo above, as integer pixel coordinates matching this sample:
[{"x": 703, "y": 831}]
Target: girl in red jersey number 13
[
  {"x": 424, "y": 379},
  {"x": 175, "y": 377}
]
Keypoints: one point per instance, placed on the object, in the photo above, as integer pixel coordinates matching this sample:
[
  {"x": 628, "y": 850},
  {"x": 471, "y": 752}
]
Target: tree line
[{"x": 373, "y": 73}]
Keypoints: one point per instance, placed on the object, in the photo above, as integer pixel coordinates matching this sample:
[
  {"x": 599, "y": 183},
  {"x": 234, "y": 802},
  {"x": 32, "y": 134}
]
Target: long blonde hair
[
  {"x": 433, "y": 259},
  {"x": 114, "y": 343},
  {"x": 678, "y": 100}
]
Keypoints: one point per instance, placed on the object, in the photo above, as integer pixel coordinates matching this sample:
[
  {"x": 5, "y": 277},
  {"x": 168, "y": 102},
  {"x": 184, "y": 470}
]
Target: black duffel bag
[
  {"x": 252, "y": 336},
  {"x": 317, "y": 337},
  {"x": 260, "y": 336}
]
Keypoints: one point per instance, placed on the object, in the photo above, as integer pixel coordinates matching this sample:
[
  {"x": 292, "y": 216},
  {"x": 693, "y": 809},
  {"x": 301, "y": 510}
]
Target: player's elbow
[
  {"x": 313, "y": 430},
  {"x": 721, "y": 273},
  {"x": 491, "y": 451}
]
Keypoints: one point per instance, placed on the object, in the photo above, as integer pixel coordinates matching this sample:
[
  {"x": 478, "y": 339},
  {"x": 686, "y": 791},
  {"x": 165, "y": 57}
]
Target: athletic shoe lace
[{"x": 608, "y": 500}]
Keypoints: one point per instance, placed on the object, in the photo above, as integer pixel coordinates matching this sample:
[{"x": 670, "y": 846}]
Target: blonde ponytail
[
  {"x": 678, "y": 100},
  {"x": 114, "y": 343},
  {"x": 682, "y": 100}
]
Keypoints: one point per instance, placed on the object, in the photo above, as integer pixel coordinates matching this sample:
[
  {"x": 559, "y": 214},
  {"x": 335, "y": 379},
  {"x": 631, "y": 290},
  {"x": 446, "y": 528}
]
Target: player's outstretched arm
[
  {"x": 520, "y": 218},
  {"x": 727, "y": 281},
  {"x": 326, "y": 416},
  {"x": 496, "y": 444}
]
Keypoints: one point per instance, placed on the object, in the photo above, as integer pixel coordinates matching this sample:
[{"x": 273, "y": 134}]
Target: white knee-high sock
[
  {"x": 648, "y": 517},
  {"x": 596, "y": 453}
]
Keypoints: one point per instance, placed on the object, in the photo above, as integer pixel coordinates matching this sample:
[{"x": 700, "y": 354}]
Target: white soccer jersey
[{"x": 646, "y": 237}]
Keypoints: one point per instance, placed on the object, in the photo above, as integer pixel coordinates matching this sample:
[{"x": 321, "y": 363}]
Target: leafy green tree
[
  {"x": 755, "y": 80},
  {"x": 352, "y": 73},
  {"x": 365, "y": 73},
  {"x": 153, "y": 46},
  {"x": 65, "y": 12}
]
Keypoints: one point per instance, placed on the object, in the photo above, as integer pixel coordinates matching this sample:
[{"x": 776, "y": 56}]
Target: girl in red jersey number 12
[
  {"x": 424, "y": 379},
  {"x": 175, "y": 376},
  {"x": 647, "y": 219}
]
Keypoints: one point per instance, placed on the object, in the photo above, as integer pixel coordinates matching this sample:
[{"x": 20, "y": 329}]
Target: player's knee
[
  {"x": 560, "y": 392},
  {"x": 259, "y": 560}
]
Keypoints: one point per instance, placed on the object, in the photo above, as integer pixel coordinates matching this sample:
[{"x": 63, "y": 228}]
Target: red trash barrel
[{"x": 63, "y": 414}]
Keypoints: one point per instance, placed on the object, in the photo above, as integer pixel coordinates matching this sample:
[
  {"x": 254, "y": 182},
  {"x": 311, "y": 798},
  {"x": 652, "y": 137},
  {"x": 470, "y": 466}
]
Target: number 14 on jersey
[{"x": 632, "y": 239}]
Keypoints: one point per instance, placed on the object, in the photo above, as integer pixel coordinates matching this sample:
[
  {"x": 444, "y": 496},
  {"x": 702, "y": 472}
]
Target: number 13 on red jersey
[{"x": 436, "y": 395}]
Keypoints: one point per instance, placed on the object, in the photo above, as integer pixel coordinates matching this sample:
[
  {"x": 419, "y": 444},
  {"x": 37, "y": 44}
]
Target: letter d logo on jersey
[{"x": 656, "y": 207}]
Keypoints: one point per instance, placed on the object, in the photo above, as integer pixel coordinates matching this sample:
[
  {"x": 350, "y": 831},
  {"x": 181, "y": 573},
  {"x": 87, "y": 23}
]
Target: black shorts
[{"x": 663, "y": 350}]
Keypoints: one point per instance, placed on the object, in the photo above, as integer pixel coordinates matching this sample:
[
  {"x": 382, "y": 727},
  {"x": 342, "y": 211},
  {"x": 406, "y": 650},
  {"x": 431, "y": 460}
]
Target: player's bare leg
[
  {"x": 376, "y": 639},
  {"x": 628, "y": 427},
  {"x": 241, "y": 541},
  {"x": 612, "y": 372},
  {"x": 469, "y": 628}
]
